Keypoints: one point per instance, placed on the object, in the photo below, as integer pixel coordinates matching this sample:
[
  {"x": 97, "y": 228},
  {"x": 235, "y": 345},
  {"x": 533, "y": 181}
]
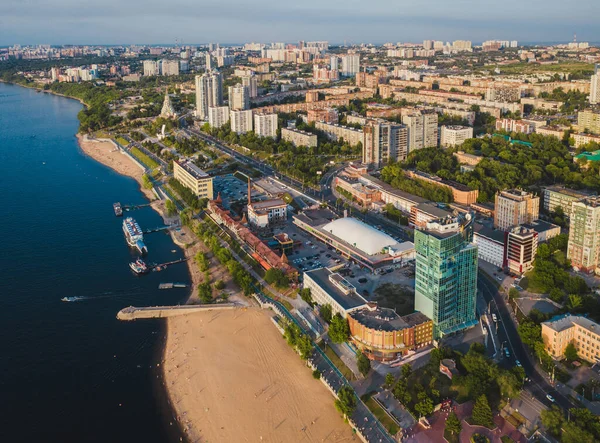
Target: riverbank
[
  {"x": 105, "y": 151},
  {"x": 231, "y": 377},
  {"x": 40, "y": 88}
]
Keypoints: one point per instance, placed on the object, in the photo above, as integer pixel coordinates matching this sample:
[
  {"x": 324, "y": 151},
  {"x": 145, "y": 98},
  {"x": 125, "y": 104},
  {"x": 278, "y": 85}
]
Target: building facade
[
  {"x": 422, "y": 129},
  {"x": 262, "y": 214},
  {"x": 514, "y": 207},
  {"x": 218, "y": 116},
  {"x": 455, "y": 135},
  {"x": 350, "y": 65},
  {"x": 330, "y": 288},
  {"x": 588, "y": 121},
  {"x": 241, "y": 121},
  {"x": 265, "y": 125},
  {"x": 582, "y": 332},
  {"x": 595, "y": 86},
  {"x": 239, "y": 97},
  {"x": 209, "y": 93},
  {"x": 299, "y": 138},
  {"x": 584, "y": 235},
  {"x": 194, "y": 178},
  {"x": 521, "y": 247},
  {"x": 490, "y": 246},
  {"x": 384, "y": 141},
  {"x": 446, "y": 274},
  {"x": 382, "y": 335},
  {"x": 251, "y": 83},
  {"x": 560, "y": 197},
  {"x": 352, "y": 136}
]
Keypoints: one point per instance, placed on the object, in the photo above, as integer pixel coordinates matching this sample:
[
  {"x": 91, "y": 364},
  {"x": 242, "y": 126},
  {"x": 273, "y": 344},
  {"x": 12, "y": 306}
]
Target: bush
[
  {"x": 219, "y": 284},
  {"x": 316, "y": 374}
]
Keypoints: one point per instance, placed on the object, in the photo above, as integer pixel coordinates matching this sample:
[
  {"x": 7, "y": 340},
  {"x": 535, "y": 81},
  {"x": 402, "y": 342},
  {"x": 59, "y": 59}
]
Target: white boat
[{"x": 133, "y": 232}]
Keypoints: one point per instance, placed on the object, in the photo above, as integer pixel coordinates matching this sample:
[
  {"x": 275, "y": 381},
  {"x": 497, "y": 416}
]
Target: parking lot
[
  {"x": 232, "y": 189},
  {"x": 312, "y": 254}
]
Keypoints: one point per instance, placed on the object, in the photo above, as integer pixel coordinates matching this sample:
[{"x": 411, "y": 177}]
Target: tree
[
  {"x": 513, "y": 293},
  {"x": 482, "y": 413},
  {"x": 306, "y": 296},
  {"x": 205, "y": 292},
  {"x": 389, "y": 380},
  {"x": 219, "y": 284},
  {"x": 346, "y": 401},
  {"x": 406, "y": 370},
  {"x": 509, "y": 384},
  {"x": 425, "y": 405},
  {"x": 571, "y": 352},
  {"x": 325, "y": 312},
  {"x": 530, "y": 333},
  {"x": 552, "y": 419},
  {"x": 170, "y": 207},
  {"x": 364, "y": 364},
  {"x": 304, "y": 346},
  {"x": 339, "y": 330},
  {"x": 277, "y": 277},
  {"x": 453, "y": 424},
  {"x": 316, "y": 374}
]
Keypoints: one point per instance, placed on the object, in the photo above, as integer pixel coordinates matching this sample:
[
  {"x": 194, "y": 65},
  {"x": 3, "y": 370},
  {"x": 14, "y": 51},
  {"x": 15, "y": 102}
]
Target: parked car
[
  {"x": 506, "y": 352},
  {"x": 549, "y": 397},
  {"x": 518, "y": 363},
  {"x": 494, "y": 317}
]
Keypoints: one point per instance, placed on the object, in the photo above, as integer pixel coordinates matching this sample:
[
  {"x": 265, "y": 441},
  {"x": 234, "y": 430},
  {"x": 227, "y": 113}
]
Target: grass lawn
[
  {"x": 506, "y": 439},
  {"x": 381, "y": 415},
  {"x": 122, "y": 141},
  {"x": 450, "y": 437},
  {"x": 337, "y": 361},
  {"x": 394, "y": 296}
]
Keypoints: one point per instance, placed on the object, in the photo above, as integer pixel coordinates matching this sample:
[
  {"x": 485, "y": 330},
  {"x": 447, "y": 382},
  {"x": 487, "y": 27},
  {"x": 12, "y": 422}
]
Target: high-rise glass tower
[{"x": 446, "y": 273}]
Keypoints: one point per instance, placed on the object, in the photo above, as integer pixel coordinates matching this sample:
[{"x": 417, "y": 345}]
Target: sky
[{"x": 337, "y": 21}]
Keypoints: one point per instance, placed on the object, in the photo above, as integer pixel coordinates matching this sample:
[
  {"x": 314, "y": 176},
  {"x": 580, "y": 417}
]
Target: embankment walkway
[{"x": 134, "y": 313}]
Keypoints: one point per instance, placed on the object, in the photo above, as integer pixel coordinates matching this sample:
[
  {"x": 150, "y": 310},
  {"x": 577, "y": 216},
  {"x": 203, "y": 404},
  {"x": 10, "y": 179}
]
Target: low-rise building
[
  {"x": 467, "y": 159},
  {"x": 583, "y": 139},
  {"x": 461, "y": 194},
  {"x": 350, "y": 135},
  {"x": 561, "y": 197},
  {"x": 545, "y": 230},
  {"x": 383, "y": 335},
  {"x": 490, "y": 245},
  {"x": 423, "y": 213},
  {"x": 327, "y": 115},
  {"x": 511, "y": 125},
  {"x": 194, "y": 178},
  {"x": 330, "y": 288},
  {"x": 455, "y": 135},
  {"x": 262, "y": 214},
  {"x": 298, "y": 137},
  {"x": 583, "y": 333}
]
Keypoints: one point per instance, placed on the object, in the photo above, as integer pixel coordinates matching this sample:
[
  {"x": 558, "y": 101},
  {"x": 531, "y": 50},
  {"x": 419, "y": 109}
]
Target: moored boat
[{"x": 139, "y": 266}]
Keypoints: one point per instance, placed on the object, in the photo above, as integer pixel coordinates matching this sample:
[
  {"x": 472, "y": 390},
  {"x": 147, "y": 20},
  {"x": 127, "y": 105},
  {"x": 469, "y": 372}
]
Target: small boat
[
  {"x": 70, "y": 299},
  {"x": 139, "y": 267},
  {"x": 118, "y": 209}
]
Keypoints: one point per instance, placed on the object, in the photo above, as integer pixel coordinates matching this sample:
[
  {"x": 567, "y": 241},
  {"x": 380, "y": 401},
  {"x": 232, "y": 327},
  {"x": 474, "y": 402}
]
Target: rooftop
[
  {"x": 492, "y": 234},
  {"x": 194, "y": 170},
  {"x": 593, "y": 156},
  {"x": 433, "y": 210},
  {"x": 581, "y": 193},
  {"x": 540, "y": 226},
  {"x": 332, "y": 283},
  {"x": 564, "y": 322},
  {"x": 447, "y": 226},
  {"x": 390, "y": 189},
  {"x": 359, "y": 234},
  {"x": 267, "y": 204}
]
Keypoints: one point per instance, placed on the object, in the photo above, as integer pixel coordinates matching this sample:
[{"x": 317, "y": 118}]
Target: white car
[
  {"x": 494, "y": 318},
  {"x": 549, "y": 397},
  {"x": 518, "y": 363}
]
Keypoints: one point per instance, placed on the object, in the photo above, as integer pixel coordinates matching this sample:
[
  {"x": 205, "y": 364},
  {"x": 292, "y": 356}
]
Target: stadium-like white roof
[{"x": 360, "y": 235}]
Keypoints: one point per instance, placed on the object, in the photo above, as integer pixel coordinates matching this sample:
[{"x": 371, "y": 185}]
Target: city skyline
[{"x": 351, "y": 21}]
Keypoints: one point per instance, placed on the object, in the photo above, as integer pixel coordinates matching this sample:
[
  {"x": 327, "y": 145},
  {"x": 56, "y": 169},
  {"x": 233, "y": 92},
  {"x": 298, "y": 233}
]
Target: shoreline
[
  {"x": 106, "y": 152},
  {"x": 48, "y": 91}
]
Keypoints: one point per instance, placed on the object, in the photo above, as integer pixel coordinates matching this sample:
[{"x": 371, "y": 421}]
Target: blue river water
[{"x": 71, "y": 372}]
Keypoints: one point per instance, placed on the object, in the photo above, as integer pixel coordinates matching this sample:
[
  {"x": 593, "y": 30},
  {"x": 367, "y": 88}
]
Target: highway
[{"x": 537, "y": 386}]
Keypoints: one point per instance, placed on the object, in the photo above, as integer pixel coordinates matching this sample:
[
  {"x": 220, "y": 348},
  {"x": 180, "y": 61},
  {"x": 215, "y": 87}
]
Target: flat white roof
[{"x": 359, "y": 235}]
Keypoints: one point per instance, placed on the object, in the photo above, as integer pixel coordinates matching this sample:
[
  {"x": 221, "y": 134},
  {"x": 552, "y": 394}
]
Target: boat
[
  {"x": 133, "y": 232},
  {"x": 141, "y": 246},
  {"x": 69, "y": 299},
  {"x": 118, "y": 209},
  {"x": 138, "y": 266}
]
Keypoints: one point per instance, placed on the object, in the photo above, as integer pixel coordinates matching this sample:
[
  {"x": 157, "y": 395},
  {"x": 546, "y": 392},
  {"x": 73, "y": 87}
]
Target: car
[
  {"x": 506, "y": 352},
  {"x": 549, "y": 397},
  {"x": 518, "y": 363},
  {"x": 362, "y": 280},
  {"x": 494, "y": 317},
  {"x": 499, "y": 278},
  {"x": 328, "y": 255}
]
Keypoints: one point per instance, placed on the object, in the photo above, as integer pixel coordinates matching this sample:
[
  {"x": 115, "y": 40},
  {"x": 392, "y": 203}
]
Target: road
[{"x": 538, "y": 386}]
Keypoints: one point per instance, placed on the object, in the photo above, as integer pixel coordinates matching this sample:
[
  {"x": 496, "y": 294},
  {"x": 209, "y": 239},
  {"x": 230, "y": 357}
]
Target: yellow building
[
  {"x": 558, "y": 332},
  {"x": 194, "y": 178},
  {"x": 589, "y": 121}
]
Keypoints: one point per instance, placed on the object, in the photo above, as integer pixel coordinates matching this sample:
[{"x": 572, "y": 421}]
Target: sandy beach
[
  {"x": 232, "y": 377},
  {"x": 105, "y": 151}
]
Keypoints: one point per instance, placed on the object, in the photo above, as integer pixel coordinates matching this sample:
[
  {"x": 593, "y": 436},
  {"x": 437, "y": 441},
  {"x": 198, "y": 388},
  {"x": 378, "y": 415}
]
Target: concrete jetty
[{"x": 134, "y": 313}]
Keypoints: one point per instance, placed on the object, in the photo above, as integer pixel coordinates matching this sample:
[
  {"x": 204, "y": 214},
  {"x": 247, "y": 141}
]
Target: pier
[
  {"x": 160, "y": 228},
  {"x": 163, "y": 266},
  {"x": 134, "y": 207},
  {"x": 134, "y": 313},
  {"x": 172, "y": 285}
]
